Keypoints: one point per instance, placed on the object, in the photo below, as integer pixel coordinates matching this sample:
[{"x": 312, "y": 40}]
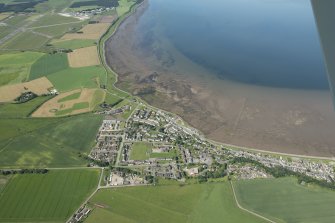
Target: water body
[
  {"x": 271, "y": 43},
  {"x": 249, "y": 73}
]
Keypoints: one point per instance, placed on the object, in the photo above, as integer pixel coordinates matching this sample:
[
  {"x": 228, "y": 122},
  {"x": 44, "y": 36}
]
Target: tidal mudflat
[{"x": 298, "y": 118}]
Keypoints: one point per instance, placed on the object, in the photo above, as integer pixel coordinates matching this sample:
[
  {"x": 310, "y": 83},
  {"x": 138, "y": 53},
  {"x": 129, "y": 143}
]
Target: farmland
[
  {"x": 39, "y": 86},
  {"x": 26, "y": 41},
  {"x": 47, "y": 142},
  {"x": 290, "y": 202},
  {"x": 169, "y": 203},
  {"x": 22, "y": 110},
  {"x": 50, "y": 197},
  {"x": 15, "y": 67},
  {"x": 90, "y": 31},
  {"x": 84, "y": 57},
  {"x": 73, "y": 44},
  {"x": 72, "y": 102},
  {"x": 48, "y": 64},
  {"x": 74, "y": 78}
]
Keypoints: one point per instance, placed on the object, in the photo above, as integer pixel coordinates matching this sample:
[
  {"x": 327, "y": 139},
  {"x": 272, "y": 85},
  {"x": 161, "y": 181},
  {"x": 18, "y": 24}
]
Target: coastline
[{"x": 118, "y": 85}]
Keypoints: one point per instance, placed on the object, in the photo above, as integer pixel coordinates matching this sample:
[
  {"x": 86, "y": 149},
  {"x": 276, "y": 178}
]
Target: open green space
[
  {"x": 26, "y": 41},
  {"x": 74, "y": 78},
  {"x": 73, "y": 44},
  {"x": 15, "y": 67},
  {"x": 140, "y": 151},
  {"x": 47, "y": 142},
  {"x": 50, "y": 197},
  {"x": 192, "y": 203},
  {"x": 3, "y": 181},
  {"x": 48, "y": 64},
  {"x": 284, "y": 200},
  {"x": 21, "y": 110}
]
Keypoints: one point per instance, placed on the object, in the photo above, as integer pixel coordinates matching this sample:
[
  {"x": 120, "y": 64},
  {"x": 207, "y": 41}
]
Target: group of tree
[{"x": 24, "y": 171}]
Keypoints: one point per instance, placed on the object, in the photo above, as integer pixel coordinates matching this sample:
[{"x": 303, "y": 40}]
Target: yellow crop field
[
  {"x": 39, "y": 86},
  {"x": 84, "y": 57},
  {"x": 90, "y": 31}
]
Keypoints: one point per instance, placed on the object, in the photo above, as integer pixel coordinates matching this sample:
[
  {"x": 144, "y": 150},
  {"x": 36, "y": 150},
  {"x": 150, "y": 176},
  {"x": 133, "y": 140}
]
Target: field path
[{"x": 242, "y": 208}]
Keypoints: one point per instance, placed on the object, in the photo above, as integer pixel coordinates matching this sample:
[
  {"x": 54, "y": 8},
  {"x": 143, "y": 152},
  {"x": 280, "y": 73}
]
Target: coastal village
[{"x": 168, "y": 148}]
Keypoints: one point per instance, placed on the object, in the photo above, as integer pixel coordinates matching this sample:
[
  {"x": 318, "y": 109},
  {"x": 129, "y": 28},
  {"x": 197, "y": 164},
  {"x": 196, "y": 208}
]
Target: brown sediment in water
[{"x": 273, "y": 119}]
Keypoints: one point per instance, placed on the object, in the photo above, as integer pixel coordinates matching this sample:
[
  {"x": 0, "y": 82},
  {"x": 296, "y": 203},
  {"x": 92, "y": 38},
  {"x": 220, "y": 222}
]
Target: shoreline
[{"x": 116, "y": 82}]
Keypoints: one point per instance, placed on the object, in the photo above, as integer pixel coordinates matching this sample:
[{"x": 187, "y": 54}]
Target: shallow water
[{"x": 262, "y": 42}]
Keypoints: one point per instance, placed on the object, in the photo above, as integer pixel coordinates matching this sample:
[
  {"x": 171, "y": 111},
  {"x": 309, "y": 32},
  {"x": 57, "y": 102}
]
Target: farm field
[
  {"x": 4, "y": 15},
  {"x": 15, "y": 67},
  {"x": 73, "y": 44},
  {"x": 39, "y": 86},
  {"x": 25, "y": 41},
  {"x": 74, "y": 78},
  {"x": 192, "y": 203},
  {"x": 48, "y": 64},
  {"x": 84, "y": 57},
  {"x": 90, "y": 31},
  {"x": 70, "y": 103},
  {"x": 47, "y": 142},
  {"x": 22, "y": 110},
  {"x": 290, "y": 202},
  {"x": 140, "y": 151},
  {"x": 50, "y": 197}
]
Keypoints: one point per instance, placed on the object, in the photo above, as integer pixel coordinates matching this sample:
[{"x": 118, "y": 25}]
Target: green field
[
  {"x": 51, "y": 197},
  {"x": 76, "y": 106},
  {"x": 21, "y": 110},
  {"x": 284, "y": 200},
  {"x": 48, "y": 64},
  {"x": 140, "y": 151},
  {"x": 73, "y": 44},
  {"x": 47, "y": 142},
  {"x": 124, "y": 7},
  {"x": 15, "y": 67},
  {"x": 25, "y": 41},
  {"x": 74, "y": 78},
  {"x": 195, "y": 203}
]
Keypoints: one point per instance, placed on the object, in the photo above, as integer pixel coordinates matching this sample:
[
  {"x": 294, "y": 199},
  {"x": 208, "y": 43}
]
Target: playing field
[
  {"x": 74, "y": 78},
  {"x": 47, "y": 142},
  {"x": 286, "y": 201},
  {"x": 68, "y": 103},
  {"x": 196, "y": 203},
  {"x": 51, "y": 197},
  {"x": 48, "y": 64},
  {"x": 140, "y": 151},
  {"x": 90, "y": 31},
  {"x": 39, "y": 86},
  {"x": 84, "y": 57},
  {"x": 15, "y": 67}
]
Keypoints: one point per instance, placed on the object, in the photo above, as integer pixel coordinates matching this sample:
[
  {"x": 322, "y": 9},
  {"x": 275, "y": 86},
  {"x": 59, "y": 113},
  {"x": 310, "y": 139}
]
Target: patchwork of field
[
  {"x": 47, "y": 142},
  {"x": 70, "y": 103},
  {"x": 15, "y": 67},
  {"x": 84, "y": 57},
  {"x": 21, "y": 110},
  {"x": 90, "y": 31},
  {"x": 284, "y": 200},
  {"x": 39, "y": 86},
  {"x": 48, "y": 64},
  {"x": 194, "y": 203},
  {"x": 51, "y": 197}
]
